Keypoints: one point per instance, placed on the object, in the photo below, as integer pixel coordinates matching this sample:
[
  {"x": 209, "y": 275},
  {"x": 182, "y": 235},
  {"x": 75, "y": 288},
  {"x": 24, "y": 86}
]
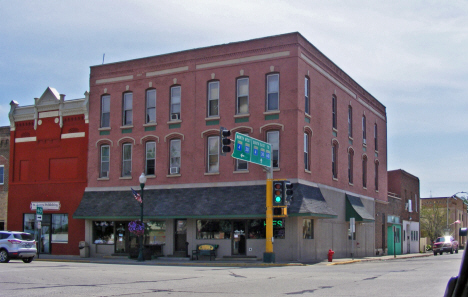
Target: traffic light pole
[{"x": 269, "y": 255}]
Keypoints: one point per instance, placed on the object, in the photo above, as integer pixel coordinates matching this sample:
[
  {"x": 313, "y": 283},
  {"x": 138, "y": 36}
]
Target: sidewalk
[{"x": 169, "y": 261}]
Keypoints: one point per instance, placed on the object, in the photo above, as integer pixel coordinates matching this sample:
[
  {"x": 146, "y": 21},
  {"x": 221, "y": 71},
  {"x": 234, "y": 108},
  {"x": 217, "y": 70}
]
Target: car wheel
[
  {"x": 28, "y": 260},
  {"x": 4, "y": 256},
  {"x": 451, "y": 251},
  {"x": 435, "y": 253}
]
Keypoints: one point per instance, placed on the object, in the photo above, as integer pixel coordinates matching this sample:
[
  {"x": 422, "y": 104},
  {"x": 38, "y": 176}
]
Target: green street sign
[
  {"x": 252, "y": 150},
  {"x": 39, "y": 210}
]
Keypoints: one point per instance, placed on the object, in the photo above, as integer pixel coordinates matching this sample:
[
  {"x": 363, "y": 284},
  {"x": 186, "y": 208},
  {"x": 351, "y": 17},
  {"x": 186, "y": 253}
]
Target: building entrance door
[
  {"x": 394, "y": 239},
  {"x": 180, "y": 246},
  {"x": 121, "y": 235},
  {"x": 238, "y": 240}
]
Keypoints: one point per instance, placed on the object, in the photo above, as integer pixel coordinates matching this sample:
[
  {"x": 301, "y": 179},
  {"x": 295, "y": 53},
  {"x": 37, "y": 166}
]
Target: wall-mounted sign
[{"x": 46, "y": 205}]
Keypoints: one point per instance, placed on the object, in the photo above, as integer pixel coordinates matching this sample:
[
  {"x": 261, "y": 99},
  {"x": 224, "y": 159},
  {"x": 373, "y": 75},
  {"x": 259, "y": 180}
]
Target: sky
[{"x": 410, "y": 55}]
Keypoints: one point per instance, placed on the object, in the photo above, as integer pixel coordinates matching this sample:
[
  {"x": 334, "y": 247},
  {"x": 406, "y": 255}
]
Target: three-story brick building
[{"x": 161, "y": 116}]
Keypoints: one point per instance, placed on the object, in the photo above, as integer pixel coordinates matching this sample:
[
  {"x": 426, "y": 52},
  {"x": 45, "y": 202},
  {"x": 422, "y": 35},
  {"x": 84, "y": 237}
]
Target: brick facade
[{"x": 4, "y": 162}]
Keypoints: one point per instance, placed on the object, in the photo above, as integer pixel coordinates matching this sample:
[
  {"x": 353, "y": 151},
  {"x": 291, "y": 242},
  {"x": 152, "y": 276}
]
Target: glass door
[
  {"x": 238, "y": 240},
  {"x": 45, "y": 234},
  {"x": 180, "y": 237},
  {"x": 121, "y": 237}
]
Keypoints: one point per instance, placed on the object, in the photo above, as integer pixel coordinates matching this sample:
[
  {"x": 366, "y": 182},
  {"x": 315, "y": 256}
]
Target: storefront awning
[
  {"x": 355, "y": 209},
  {"x": 212, "y": 203}
]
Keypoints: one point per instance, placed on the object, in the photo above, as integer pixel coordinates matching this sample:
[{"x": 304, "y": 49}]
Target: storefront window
[
  {"x": 103, "y": 232},
  {"x": 155, "y": 232},
  {"x": 308, "y": 229},
  {"x": 257, "y": 229},
  {"x": 29, "y": 223},
  {"x": 60, "y": 228},
  {"x": 211, "y": 229}
]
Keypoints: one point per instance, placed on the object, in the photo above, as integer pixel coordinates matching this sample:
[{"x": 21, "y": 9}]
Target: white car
[{"x": 17, "y": 245}]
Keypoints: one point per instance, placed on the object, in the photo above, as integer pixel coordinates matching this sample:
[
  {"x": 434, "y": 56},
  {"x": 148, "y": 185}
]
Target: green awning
[{"x": 355, "y": 209}]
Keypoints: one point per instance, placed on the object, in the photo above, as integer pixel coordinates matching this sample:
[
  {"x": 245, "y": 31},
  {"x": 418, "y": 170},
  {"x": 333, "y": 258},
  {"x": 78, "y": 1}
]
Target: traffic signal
[
  {"x": 225, "y": 142},
  {"x": 278, "y": 193},
  {"x": 288, "y": 191}
]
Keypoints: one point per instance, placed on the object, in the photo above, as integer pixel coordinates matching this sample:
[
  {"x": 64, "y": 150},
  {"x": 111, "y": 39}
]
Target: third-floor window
[
  {"x": 242, "y": 96},
  {"x": 272, "y": 92},
  {"x": 306, "y": 92},
  {"x": 175, "y": 103},
  {"x": 151, "y": 106},
  {"x": 127, "y": 116},
  {"x": 105, "y": 111},
  {"x": 213, "y": 98}
]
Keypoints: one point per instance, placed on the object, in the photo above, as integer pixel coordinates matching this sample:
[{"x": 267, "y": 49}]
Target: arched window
[
  {"x": 213, "y": 154},
  {"x": 150, "y": 158},
  {"x": 104, "y": 161},
  {"x": 175, "y": 153},
  {"x": 127, "y": 160},
  {"x": 306, "y": 151}
]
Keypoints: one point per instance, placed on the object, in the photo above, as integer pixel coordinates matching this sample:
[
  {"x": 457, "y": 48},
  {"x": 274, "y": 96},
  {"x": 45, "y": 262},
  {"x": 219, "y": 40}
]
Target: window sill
[
  {"x": 104, "y": 129},
  {"x": 211, "y": 173},
  {"x": 126, "y": 127},
  {"x": 240, "y": 171},
  {"x": 173, "y": 175},
  {"x": 150, "y": 176},
  {"x": 351, "y": 184},
  {"x": 174, "y": 122},
  {"x": 334, "y": 178},
  {"x": 274, "y": 169},
  {"x": 350, "y": 138},
  {"x": 150, "y": 124},
  {"x": 308, "y": 115},
  {"x": 243, "y": 115},
  {"x": 335, "y": 130},
  {"x": 103, "y": 178},
  {"x": 376, "y": 191},
  {"x": 271, "y": 112},
  {"x": 59, "y": 242},
  {"x": 365, "y": 188},
  {"x": 212, "y": 118},
  {"x": 307, "y": 171},
  {"x": 125, "y": 177},
  {"x": 364, "y": 144}
]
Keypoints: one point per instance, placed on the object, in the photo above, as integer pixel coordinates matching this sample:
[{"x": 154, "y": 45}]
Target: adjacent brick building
[
  {"x": 4, "y": 165},
  {"x": 49, "y": 143},
  {"x": 161, "y": 116}
]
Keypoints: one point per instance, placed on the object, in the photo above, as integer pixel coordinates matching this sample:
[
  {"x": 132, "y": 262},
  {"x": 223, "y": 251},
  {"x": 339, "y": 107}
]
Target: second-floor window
[
  {"x": 334, "y": 161},
  {"x": 242, "y": 95},
  {"x": 213, "y": 98},
  {"x": 272, "y": 92},
  {"x": 273, "y": 139},
  {"x": 306, "y": 92},
  {"x": 105, "y": 161},
  {"x": 127, "y": 109},
  {"x": 126, "y": 160},
  {"x": 151, "y": 106},
  {"x": 150, "y": 163},
  {"x": 174, "y": 161},
  {"x": 306, "y": 151},
  {"x": 350, "y": 166},
  {"x": 105, "y": 111},
  {"x": 175, "y": 103},
  {"x": 213, "y": 154}
]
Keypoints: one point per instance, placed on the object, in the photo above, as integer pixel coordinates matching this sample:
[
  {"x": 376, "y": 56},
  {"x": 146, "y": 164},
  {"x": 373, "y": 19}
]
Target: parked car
[
  {"x": 458, "y": 285},
  {"x": 17, "y": 245},
  {"x": 445, "y": 244}
]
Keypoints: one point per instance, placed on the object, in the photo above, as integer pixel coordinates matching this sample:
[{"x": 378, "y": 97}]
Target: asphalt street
[{"x": 417, "y": 276}]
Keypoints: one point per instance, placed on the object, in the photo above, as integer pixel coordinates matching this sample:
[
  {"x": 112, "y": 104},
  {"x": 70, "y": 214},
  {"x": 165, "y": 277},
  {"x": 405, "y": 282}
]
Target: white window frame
[
  {"x": 127, "y": 116},
  {"x": 105, "y": 110},
  {"x": 272, "y": 89},
  {"x": 213, "y": 154},
  {"x": 240, "y": 95},
  {"x": 102, "y": 162},
  {"x": 175, "y": 153},
  {"x": 334, "y": 112},
  {"x": 350, "y": 121},
  {"x": 150, "y": 110},
  {"x": 376, "y": 145},
  {"x": 306, "y": 151},
  {"x": 334, "y": 161},
  {"x": 307, "y": 95},
  {"x": 148, "y": 156},
  {"x": 274, "y": 146},
  {"x": 364, "y": 133},
  {"x": 126, "y": 146},
  {"x": 176, "y": 101},
  {"x": 213, "y": 98}
]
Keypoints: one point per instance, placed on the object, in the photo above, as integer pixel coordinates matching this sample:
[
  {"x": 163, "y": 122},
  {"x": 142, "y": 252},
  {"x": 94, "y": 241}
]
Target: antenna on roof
[{"x": 103, "y": 55}]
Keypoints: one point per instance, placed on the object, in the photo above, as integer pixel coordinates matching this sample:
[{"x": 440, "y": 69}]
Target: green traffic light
[{"x": 277, "y": 199}]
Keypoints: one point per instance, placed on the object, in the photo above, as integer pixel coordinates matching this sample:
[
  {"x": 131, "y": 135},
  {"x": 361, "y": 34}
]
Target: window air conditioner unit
[
  {"x": 175, "y": 116},
  {"x": 174, "y": 170}
]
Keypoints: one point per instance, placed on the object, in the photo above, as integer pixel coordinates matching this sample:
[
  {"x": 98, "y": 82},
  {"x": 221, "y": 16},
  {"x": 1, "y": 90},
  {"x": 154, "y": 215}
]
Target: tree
[{"x": 433, "y": 221}]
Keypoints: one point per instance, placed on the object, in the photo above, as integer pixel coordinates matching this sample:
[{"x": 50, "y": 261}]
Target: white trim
[
  {"x": 48, "y": 114},
  {"x": 166, "y": 71},
  {"x": 73, "y": 135},
  {"x": 244, "y": 60},
  {"x": 25, "y": 139},
  {"x": 113, "y": 79}
]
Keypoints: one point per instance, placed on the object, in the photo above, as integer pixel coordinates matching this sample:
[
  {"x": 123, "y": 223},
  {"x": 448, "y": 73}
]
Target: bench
[{"x": 205, "y": 250}]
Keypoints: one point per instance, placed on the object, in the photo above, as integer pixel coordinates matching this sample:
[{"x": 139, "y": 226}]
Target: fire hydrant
[{"x": 330, "y": 255}]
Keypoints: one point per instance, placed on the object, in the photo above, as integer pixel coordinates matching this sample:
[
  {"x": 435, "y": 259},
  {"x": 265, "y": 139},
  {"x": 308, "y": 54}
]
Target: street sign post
[{"x": 252, "y": 150}]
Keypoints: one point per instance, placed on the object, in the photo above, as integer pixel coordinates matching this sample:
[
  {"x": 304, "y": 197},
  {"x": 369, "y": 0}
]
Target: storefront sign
[{"x": 46, "y": 205}]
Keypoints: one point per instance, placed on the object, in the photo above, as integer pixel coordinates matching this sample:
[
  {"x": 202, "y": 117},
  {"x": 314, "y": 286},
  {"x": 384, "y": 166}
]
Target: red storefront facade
[{"x": 48, "y": 168}]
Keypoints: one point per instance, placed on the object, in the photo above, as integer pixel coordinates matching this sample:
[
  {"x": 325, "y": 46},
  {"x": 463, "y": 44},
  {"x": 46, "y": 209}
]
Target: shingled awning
[
  {"x": 212, "y": 202},
  {"x": 355, "y": 209}
]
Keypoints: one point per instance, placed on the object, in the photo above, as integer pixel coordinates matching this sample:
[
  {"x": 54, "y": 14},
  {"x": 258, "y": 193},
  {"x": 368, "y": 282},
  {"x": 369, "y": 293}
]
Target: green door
[{"x": 394, "y": 240}]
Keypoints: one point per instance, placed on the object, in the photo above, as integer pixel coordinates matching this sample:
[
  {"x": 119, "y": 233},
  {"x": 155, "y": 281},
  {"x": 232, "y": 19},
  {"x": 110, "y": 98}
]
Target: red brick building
[
  {"x": 48, "y": 154},
  {"x": 161, "y": 115}
]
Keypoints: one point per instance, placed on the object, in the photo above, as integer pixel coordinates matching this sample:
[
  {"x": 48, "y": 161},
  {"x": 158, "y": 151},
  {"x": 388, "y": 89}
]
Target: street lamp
[{"x": 142, "y": 179}]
